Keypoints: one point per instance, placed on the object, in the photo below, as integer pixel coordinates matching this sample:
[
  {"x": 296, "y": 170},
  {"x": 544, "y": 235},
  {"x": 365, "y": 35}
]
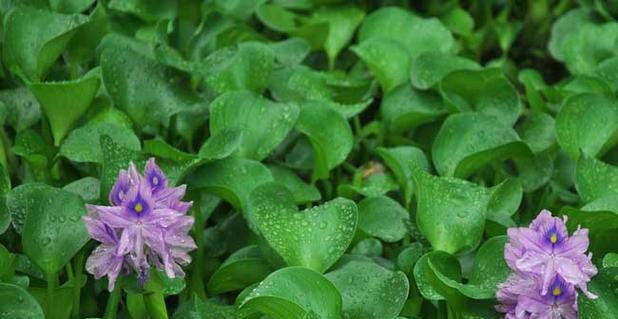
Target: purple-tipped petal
[
  {"x": 154, "y": 177},
  {"x": 120, "y": 189}
]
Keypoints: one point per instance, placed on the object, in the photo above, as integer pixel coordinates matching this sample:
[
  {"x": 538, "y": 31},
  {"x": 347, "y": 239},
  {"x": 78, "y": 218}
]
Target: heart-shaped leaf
[
  {"x": 588, "y": 122},
  {"x": 314, "y": 238},
  {"x": 65, "y": 102},
  {"x": 295, "y": 293},
  {"x": 369, "y": 290},
  {"x": 264, "y": 124},
  {"x": 429, "y": 68},
  {"x": 330, "y": 136},
  {"x": 342, "y": 22},
  {"x": 405, "y": 108},
  {"x": 20, "y": 108},
  {"x": 387, "y": 59},
  {"x": 538, "y": 131},
  {"x": 232, "y": 179},
  {"x": 416, "y": 34},
  {"x": 246, "y": 67},
  {"x": 242, "y": 269},
  {"x": 595, "y": 179},
  {"x": 468, "y": 141},
  {"x": 301, "y": 191},
  {"x": 383, "y": 218},
  {"x": 460, "y": 206},
  {"x": 79, "y": 145},
  {"x": 34, "y": 39},
  {"x": 17, "y": 303},
  {"x": 485, "y": 91},
  {"x": 145, "y": 90},
  {"x": 52, "y": 228},
  {"x": 198, "y": 308},
  {"x": 402, "y": 160}
]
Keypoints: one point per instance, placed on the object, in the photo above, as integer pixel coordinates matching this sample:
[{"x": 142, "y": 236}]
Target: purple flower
[
  {"x": 146, "y": 225},
  {"x": 547, "y": 266},
  {"x": 560, "y": 302}
]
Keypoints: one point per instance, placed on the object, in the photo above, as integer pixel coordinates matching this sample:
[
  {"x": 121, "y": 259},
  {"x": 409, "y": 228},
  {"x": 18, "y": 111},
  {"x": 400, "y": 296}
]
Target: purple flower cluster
[
  {"x": 146, "y": 225},
  {"x": 547, "y": 266}
]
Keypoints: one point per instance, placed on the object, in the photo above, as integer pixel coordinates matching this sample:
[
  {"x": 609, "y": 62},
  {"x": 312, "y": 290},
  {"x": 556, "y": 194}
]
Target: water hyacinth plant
[
  {"x": 147, "y": 225},
  {"x": 308, "y": 159}
]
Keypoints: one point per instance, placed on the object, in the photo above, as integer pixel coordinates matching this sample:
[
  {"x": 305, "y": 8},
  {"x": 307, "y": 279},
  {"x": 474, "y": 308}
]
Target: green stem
[
  {"x": 112, "y": 304},
  {"x": 197, "y": 280},
  {"x": 52, "y": 285},
  {"x": 155, "y": 304},
  {"x": 79, "y": 264}
]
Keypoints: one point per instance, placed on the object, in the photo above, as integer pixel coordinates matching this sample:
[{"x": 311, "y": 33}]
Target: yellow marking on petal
[
  {"x": 556, "y": 291},
  {"x": 138, "y": 207},
  {"x": 553, "y": 238}
]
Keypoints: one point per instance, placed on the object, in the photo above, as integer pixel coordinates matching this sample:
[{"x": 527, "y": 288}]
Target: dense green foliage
[{"x": 346, "y": 159}]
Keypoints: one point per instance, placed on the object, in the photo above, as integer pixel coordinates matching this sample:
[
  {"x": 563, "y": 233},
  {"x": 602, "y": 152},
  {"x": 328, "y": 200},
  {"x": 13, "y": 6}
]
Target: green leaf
[
  {"x": 505, "y": 201},
  {"x": 468, "y": 141},
  {"x": 429, "y": 285},
  {"x": 460, "y": 206},
  {"x": 17, "y": 303},
  {"x": 302, "y": 192},
  {"x": 485, "y": 91},
  {"x": 34, "y": 39},
  {"x": 383, "y": 218},
  {"x": 232, "y": 179},
  {"x": 88, "y": 188},
  {"x": 245, "y": 67},
  {"x": 440, "y": 274},
  {"x": 610, "y": 260},
  {"x": 588, "y": 122},
  {"x": 70, "y": 6},
  {"x": 79, "y": 145},
  {"x": 291, "y": 51},
  {"x": 387, "y": 59},
  {"x": 330, "y": 136},
  {"x": 139, "y": 86},
  {"x": 369, "y": 290},
  {"x": 369, "y": 247},
  {"x": 146, "y": 10},
  {"x": 242, "y": 269},
  {"x": 314, "y": 238},
  {"x": 342, "y": 22},
  {"x": 295, "y": 293},
  {"x": 402, "y": 160},
  {"x": 376, "y": 184},
  {"x": 416, "y": 34},
  {"x": 538, "y": 131},
  {"x": 406, "y": 108},
  {"x": 590, "y": 44},
  {"x": 276, "y": 17},
  {"x": 239, "y": 9},
  {"x": 595, "y": 179},
  {"x": 566, "y": 26},
  {"x": 52, "y": 228},
  {"x": 264, "y": 124},
  {"x": 429, "y": 68},
  {"x": 65, "y": 102},
  {"x": 605, "y": 286},
  {"x": 198, "y": 308},
  {"x": 19, "y": 108}
]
